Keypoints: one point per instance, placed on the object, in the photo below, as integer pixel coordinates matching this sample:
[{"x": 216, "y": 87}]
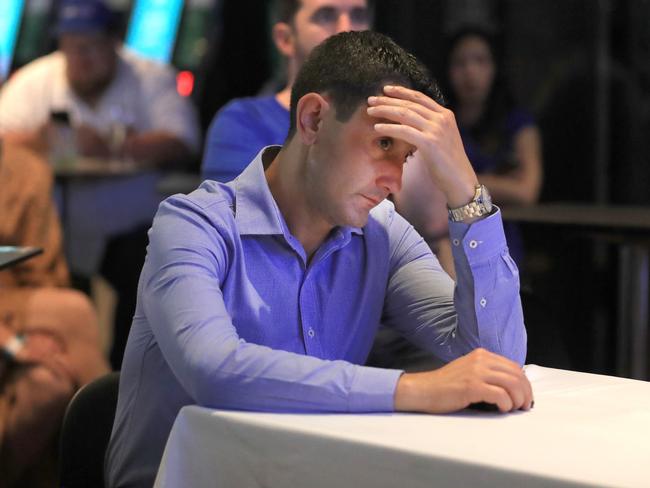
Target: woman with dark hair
[{"x": 501, "y": 140}]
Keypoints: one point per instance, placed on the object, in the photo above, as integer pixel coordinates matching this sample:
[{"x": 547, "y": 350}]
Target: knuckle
[{"x": 480, "y": 352}]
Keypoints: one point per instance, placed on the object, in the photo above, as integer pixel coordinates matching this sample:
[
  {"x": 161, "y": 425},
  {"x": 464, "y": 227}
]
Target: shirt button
[
  {"x": 455, "y": 242},
  {"x": 483, "y": 302},
  {"x": 473, "y": 244},
  {"x": 311, "y": 333}
]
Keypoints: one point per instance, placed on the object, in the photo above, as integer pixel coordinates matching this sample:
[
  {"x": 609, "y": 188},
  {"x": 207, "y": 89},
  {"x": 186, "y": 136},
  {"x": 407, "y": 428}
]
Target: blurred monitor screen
[
  {"x": 153, "y": 27},
  {"x": 199, "y": 19},
  {"x": 10, "y": 14}
]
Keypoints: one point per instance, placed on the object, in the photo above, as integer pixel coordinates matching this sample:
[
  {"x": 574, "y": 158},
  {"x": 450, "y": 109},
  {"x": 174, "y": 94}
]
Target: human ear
[
  {"x": 310, "y": 112},
  {"x": 283, "y": 38}
]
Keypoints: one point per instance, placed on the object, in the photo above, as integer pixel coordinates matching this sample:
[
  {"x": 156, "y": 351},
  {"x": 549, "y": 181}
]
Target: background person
[
  {"x": 105, "y": 90},
  {"x": 245, "y": 125},
  {"x": 49, "y": 337},
  {"x": 502, "y": 140}
]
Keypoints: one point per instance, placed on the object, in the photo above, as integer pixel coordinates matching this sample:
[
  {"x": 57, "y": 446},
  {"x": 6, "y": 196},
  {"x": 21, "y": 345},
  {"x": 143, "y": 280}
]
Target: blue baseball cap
[{"x": 82, "y": 16}]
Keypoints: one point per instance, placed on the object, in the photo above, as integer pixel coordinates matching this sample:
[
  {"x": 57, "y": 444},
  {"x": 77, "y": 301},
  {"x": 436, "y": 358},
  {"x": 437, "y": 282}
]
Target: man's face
[
  {"x": 351, "y": 168},
  {"x": 316, "y": 20},
  {"x": 90, "y": 62}
]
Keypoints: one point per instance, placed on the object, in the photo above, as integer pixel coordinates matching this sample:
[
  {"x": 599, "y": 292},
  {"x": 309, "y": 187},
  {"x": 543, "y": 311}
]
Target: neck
[
  {"x": 284, "y": 97},
  {"x": 286, "y": 180}
]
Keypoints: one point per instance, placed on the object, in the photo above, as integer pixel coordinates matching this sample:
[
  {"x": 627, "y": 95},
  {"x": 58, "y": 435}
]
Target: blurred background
[{"x": 580, "y": 66}]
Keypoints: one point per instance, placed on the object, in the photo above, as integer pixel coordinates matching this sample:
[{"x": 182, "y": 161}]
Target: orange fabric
[
  {"x": 32, "y": 399},
  {"x": 28, "y": 218}
]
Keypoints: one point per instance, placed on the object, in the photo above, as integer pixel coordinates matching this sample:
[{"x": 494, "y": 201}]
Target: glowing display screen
[
  {"x": 153, "y": 28},
  {"x": 10, "y": 13}
]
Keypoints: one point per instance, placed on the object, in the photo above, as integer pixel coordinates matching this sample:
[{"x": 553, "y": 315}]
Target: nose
[
  {"x": 343, "y": 24},
  {"x": 390, "y": 178}
]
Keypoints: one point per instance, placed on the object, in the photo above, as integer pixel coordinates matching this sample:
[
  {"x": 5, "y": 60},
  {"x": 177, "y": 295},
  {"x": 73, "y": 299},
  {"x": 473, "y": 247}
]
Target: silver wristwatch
[{"x": 480, "y": 205}]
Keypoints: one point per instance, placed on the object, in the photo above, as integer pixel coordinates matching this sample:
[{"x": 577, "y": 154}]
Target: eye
[
  {"x": 325, "y": 15},
  {"x": 385, "y": 143}
]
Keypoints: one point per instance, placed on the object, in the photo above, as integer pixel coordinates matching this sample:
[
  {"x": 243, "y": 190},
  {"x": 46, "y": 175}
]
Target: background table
[
  {"x": 627, "y": 227},
  {"x": 585, "y": 430},
  {"x": 100, "y": 199}
]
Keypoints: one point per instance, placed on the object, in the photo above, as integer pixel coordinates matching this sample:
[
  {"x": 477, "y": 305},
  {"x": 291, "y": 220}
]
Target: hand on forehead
[
  {"x": 401, "y": 96},
  {"x": 399, "y": 105}
]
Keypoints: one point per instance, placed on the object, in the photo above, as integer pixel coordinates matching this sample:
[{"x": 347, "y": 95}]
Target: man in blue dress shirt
[{"x": 265, "y": 293}]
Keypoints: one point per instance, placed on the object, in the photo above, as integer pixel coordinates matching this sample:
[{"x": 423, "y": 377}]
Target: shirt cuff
[
  {"x": 480, "y": 240},
  {"x": 373, "y": 389}
]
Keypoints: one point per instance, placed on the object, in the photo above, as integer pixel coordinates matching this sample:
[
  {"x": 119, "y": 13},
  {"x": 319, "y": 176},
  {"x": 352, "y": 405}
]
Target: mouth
[{"x": 373, "y": 201}]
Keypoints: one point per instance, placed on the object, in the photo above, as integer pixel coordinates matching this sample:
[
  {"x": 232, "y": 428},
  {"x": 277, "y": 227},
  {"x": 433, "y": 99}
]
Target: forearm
[
  {"x": 483, "y": 309},
  {"x": 487, "y": 292},
  {"x": 34, "y": 140},
  {"x": 156, "y": 148},
  {"x": 522, "y": 185},
  {"x": 510, "y": 189},
  {"x": 219, "y": 370}
]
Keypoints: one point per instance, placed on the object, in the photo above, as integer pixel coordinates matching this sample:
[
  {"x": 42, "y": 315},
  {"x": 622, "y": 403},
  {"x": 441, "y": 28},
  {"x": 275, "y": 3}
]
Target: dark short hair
[{"x": 351, "y": 66}]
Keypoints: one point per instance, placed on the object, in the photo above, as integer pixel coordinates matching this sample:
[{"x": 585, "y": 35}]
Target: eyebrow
[{"x": 333, "y": 8}]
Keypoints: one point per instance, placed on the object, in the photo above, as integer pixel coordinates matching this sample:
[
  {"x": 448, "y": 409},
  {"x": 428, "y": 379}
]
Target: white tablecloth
[{"x": 585, "y": 430}]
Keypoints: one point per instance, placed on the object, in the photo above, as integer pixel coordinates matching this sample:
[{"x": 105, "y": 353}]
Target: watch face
[
  {"x": 486, "y": 198},
  {"x": 480, "y": 205}
]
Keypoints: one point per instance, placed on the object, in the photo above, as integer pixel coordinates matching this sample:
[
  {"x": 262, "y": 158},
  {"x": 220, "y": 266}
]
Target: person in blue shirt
[
  {"x": 246, "y": 125},
  {"x": 265, "y": 293}
]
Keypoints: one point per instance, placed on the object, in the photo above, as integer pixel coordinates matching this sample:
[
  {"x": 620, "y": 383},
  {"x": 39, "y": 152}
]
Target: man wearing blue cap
[
  {"x": 98, "y": 83},
  {"x": 118, "y": 105}
]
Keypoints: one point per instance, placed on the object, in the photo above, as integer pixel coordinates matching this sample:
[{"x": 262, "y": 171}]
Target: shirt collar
[{"x": 256, "y": 212}]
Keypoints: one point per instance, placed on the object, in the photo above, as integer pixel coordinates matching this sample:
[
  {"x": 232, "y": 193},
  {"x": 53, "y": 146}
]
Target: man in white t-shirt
[{"x": 118, "y": 105}]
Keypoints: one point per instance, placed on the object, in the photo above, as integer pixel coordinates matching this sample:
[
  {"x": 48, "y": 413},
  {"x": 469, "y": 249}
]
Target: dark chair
[{"x": 85, "y": 433}]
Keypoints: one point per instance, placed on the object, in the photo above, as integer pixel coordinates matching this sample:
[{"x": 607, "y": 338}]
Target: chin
[{"x": 358, "y": 220}]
